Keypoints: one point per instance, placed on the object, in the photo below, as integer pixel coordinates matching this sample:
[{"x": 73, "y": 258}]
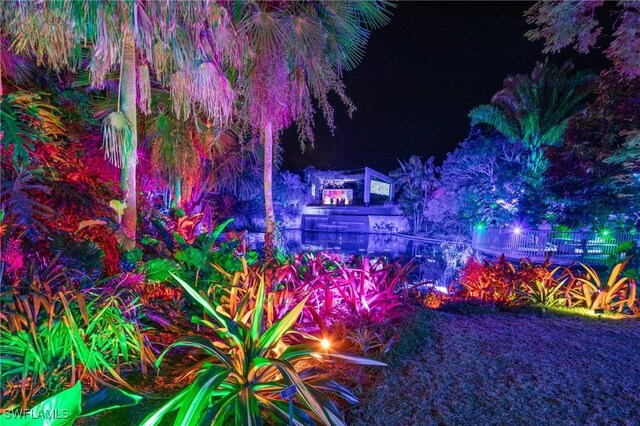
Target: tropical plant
[
  {"x": 535, "y": 109},
  {"x": 480, "y": 182},
  {"x": 52, "y": 339},
  {"x": 247, "y": 367},
  {"x": 630, "y": 250},
  {"x": 591, "y": 292},
  {"x": 66, "y": 406},
  {"x": 492, "y": 281},
  {"x": 564, "y": 23},
  {"x": 55, "y": 33},
  {"x": 202, "y": 261},
  {"x": 361, "y": 289},
  {"x": 416, "y": 182},
  {"x": 593, "y": 174},
  {"x": 367, "y": 341},
  {"x": 540, "y": 286},
  {"x": 22, "y": 194},
  {"x": 371, "y": 290},
  {"x": 27, "y": 119}
]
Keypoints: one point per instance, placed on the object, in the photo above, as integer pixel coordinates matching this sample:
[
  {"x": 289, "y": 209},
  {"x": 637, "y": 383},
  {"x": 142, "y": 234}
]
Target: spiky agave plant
[{"x": 245, "y": 370}]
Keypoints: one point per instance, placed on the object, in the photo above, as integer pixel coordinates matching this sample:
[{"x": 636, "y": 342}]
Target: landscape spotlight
[
  {"x": 517, "y": 230},
  {"x": 325, "y": 344}
]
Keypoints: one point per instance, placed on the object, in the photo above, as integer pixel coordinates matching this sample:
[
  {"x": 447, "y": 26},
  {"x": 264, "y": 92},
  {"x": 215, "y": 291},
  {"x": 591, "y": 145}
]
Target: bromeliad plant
[
  {"x": 365, "y": 289},
  {"x": 589, "y": 291},
  {"x": 246, "y": 367},
  {"x": 372, "y": 289},
  {"x": 544, "y": 288}
]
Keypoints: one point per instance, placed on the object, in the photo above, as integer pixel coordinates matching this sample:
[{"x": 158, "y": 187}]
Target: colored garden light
[
  {"x": 517, "y": 230},
  {"x": 326, "y": 345}
]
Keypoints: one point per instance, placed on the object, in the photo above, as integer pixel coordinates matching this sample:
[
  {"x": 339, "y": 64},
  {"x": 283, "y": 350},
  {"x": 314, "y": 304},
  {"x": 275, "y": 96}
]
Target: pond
[{"x": 437, "y": 261}]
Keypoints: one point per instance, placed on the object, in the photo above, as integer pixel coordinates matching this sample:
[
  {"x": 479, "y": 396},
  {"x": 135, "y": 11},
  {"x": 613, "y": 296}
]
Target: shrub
[
  {"x": 492, "y": 281},
  {"x": 50, "y": 340},
  {"x": 362, "y": 289}
]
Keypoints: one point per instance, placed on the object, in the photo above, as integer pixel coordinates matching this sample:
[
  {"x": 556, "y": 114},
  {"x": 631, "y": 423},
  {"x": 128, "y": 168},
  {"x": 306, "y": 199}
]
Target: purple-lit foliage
[
  {"x": 564, "y": 23},
  {"x": 360, "y": 289}
]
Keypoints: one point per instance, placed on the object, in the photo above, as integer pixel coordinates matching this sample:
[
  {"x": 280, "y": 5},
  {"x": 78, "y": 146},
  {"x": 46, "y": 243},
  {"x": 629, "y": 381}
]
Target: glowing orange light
[{"x": 325, "y": 344}]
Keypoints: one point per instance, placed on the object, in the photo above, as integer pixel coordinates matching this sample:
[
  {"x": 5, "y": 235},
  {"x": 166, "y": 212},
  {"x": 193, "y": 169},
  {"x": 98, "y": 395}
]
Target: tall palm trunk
[
  {"x": 128, "y": 99},
  {"x": 177, "y": 194},
  {"x": 270, "y": 217},
  {"x": 536, "y": 165}
]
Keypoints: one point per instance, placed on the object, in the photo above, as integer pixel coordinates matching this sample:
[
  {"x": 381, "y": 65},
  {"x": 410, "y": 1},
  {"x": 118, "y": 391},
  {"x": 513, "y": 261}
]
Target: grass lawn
[{"x": 512, "y": 369}]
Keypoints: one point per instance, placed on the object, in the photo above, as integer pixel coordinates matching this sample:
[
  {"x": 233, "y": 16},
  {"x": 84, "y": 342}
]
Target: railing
[{"x": 591, "y": 248}]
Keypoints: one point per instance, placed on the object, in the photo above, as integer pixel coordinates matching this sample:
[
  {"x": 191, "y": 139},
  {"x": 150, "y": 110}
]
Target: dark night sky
[{"x": 420, "y": 77}]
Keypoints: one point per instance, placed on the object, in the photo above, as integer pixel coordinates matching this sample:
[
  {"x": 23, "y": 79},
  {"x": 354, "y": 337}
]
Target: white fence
[{"x": 591, "y": 248}]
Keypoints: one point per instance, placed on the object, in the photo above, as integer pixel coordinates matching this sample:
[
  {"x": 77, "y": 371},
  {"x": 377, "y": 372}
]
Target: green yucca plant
[
  {"x": 592, "y": 293},
  {"x": 247, "y": 367},
  {"x": 544, "y": 290}
]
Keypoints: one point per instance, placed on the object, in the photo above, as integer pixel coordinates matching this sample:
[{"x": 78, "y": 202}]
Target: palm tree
[
  {"x": 416, "y": 182},
  {"x": 535, "y": 110},
  {"x": 187, "y": 44},
  {"x": 298, "y": 51}
]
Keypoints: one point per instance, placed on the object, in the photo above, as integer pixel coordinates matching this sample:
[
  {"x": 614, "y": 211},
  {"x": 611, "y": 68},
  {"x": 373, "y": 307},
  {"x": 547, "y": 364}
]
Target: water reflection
[{"x": 437, "y": 262}]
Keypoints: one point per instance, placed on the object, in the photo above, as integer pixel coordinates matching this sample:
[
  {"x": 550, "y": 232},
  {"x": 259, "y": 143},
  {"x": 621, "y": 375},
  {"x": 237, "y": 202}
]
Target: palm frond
[
  {"x": 495, "y": 117},
  {"x": 144, "y": 89},
  {"x": 116, "y": 138}
]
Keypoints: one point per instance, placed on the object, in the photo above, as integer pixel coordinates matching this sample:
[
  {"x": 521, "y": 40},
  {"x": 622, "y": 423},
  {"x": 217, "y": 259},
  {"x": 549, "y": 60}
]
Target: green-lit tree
[
  {"x": 535, "y": 109},
  {"x": 482, "y": 179}
]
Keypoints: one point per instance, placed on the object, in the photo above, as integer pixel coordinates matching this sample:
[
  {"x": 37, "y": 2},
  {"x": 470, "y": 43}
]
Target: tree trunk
[
  {"x": 270, "y": 217},
  {"x": 177, "y": 194},
  {"x": 128, "y": 106}
]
